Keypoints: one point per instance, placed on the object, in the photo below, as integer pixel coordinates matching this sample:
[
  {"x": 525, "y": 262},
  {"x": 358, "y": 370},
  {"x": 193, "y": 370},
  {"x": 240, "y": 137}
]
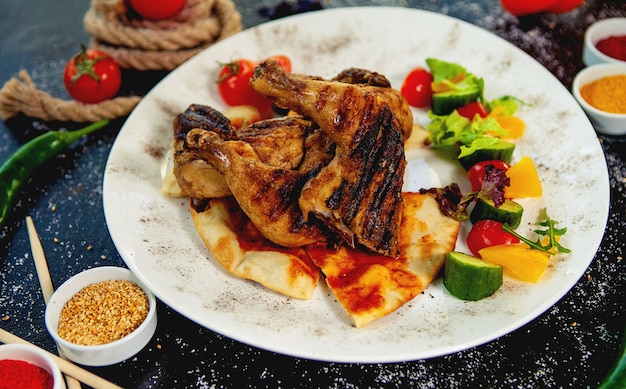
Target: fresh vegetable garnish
[
  {"x": 525, "y": 180},
  {"x": 478, "y": 172},
  {"x": 453, "y": 86},
  {"x": 233, "y": 84},
  {"x": 470, "y": 278},
  {"x": 157, "y": 9},
  {"x": 92, "y": 76},
  {"x": 472, "y": 109},
  {"x": 550, "y": 232},
  {"x": 486, "y": 233},
  {"x": 517, "y": 260},
  {"x": 417, "y": 89}
]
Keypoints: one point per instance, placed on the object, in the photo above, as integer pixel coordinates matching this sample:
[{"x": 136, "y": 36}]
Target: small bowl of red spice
[
  {"x": 605, "y": 42},
  {"x": 101, "y": 316},
  {"x": 601, "y": 92},
  {"x": 28, "y": 367}
]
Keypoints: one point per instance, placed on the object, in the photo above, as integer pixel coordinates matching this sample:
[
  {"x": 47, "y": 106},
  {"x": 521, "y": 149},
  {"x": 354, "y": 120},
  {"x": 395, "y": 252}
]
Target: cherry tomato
[
  {"x": 476, "y": 173},
  {"x": 472, "y": 109},
  {"x": 157, "y": 9},
  {"x": 92, "y": 76},
  {"x": 417, "y": 89},
  {"x": 486, "y": 233},
  {"x": 283, "y": 61},
  {"x": 233, "y": 84}
]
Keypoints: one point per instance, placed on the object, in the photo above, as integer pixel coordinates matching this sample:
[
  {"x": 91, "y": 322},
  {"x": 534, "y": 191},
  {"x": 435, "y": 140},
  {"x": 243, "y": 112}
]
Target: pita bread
[
  {"x": 370, "y": 286},
  {"x": 241, "y": 249}
]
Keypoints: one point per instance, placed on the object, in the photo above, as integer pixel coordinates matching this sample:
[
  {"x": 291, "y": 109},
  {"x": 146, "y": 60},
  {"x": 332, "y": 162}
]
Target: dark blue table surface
[{"x": 571, "y": 345}]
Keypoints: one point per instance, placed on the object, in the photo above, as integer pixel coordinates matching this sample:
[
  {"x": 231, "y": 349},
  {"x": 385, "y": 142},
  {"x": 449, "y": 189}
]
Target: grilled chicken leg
[{"x": 358, "y": 194}]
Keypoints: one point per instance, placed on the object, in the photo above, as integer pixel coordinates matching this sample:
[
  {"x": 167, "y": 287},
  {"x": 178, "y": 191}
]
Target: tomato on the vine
[
  {"x": 417, "y": 88},
  {"x": 476, "y": 173},
  {"x": 157, "y": 9},
  {"x": 233, "y": 84},
  {"x": 472, "y": 109},
  {"x": 92, "y": 76},
  {"x": 487, "y": 233}
]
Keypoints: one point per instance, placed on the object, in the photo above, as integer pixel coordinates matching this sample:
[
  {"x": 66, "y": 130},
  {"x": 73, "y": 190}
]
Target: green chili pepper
[{"x": 16, "y": 170}]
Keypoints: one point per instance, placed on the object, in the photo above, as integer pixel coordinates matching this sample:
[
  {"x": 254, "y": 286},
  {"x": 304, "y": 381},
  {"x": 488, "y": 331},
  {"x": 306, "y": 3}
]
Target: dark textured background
[{"x": 570, "y": 345}]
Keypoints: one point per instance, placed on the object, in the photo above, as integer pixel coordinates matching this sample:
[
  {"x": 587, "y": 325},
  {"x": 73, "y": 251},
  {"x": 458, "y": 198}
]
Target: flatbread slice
[
  {"x": 240, "y": 248},
  {"x": 370, "y": 286}
]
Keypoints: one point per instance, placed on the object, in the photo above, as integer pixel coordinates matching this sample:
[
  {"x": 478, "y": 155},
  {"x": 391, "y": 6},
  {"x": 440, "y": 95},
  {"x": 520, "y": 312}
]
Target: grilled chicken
[
  {"x": 265, "y": 185},
  {"x": 358, "y": 194},
  {"x": 195, "y": 177},
  {"x": 278, "y": 142}
]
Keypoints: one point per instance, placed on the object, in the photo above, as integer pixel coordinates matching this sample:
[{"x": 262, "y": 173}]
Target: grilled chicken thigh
[
  {"x": 358, "y": 194},
  {"x": 266, "y": 185}
]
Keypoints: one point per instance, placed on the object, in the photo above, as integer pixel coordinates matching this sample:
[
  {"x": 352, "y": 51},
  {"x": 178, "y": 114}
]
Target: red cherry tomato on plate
[
  {"x": 92, "y": 76},
  {"x": 486, "y": 233},
  {"x": 476, "y": 173},
  {"x": 233, "y": 85},
  {"x": 283, "y": 61},
  {"x": 417, "y": 89},
  {"x": 472, "y": 109},
  {"x": 157, "y": 9}
]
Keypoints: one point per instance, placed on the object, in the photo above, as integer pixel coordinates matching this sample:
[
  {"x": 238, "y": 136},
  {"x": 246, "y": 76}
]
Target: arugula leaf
[{"x": 551, "y": 232}]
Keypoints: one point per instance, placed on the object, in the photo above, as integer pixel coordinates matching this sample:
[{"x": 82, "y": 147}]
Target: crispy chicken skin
[
  {"x": 265, "y": 185},
  {"x": 278, "y": 142},
  {"x": 195, "y": 177},
  {"x": 358, "y": 194}
]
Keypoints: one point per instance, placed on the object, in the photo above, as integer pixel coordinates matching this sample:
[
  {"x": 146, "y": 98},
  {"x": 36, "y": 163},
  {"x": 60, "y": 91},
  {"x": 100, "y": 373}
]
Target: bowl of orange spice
[
  {"x": 601, "y": 92},
  {"x": 101, "y": 316}
]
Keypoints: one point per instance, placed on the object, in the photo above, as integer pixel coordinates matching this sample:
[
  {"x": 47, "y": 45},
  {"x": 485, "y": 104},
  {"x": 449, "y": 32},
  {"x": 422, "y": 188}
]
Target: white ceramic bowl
[
  {"x": 108, "y": 353},
  {"x": 597, "y": 31},
  {"x": 604, "y": 122},
  {"x": 36, "y": 356}
]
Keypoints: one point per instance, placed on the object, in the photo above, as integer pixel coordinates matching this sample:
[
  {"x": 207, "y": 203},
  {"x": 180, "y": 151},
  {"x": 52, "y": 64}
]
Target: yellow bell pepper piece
[
  {"x": 524, "y": 180},
  {"x": 518, "y": 260},
  {"x": 514, "y": 126}
]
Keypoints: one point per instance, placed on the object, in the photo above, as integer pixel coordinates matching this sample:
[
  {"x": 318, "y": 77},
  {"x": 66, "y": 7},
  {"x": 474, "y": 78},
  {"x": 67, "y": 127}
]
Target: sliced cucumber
[
  {"x": 510, "y": 212},
  {"x": 470, "y": 278},
  {"x": 497, "y": 149},
  {"x": 443, "y": 103}
]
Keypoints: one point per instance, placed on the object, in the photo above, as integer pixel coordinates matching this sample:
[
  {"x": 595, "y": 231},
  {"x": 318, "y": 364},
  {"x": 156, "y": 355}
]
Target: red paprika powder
[
  {"x": 23, "y": 375},
  {"x": 614, "y": 46}
]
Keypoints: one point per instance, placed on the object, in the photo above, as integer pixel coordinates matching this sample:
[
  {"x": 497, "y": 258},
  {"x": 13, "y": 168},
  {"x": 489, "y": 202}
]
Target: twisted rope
[
  {"x": 23, "y": 96},
  {"x": 133, "y": 43},
  {"x": 162, "y": 45}
]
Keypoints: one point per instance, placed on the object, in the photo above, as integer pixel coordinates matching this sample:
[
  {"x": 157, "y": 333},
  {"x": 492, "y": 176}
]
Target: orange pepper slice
[
  {"x": 518, "y": 260},
  {"x": 524, "y": 179}
]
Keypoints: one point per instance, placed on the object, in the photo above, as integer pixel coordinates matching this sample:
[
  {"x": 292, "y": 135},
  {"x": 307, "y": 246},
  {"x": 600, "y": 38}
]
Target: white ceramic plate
[{"x": 156, "y": 237}]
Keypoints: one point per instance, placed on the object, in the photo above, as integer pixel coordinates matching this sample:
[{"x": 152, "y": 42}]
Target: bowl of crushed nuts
[{"x": 101, "y": 316}]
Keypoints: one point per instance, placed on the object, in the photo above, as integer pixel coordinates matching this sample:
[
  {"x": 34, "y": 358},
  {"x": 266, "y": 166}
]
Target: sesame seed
[{"x": 103, "y": 312}]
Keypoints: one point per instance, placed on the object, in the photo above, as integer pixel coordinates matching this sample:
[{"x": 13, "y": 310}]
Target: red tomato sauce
[{"x": 614, "y": 46}]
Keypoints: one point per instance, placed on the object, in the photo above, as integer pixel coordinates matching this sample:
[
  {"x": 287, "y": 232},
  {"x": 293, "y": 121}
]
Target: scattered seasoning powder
[
  {"x": 103, "y": 312},
  {"x": 607, "y": 94},
  {"x": 614, "y": 46},
  {"x": 23, "y": 375}
]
